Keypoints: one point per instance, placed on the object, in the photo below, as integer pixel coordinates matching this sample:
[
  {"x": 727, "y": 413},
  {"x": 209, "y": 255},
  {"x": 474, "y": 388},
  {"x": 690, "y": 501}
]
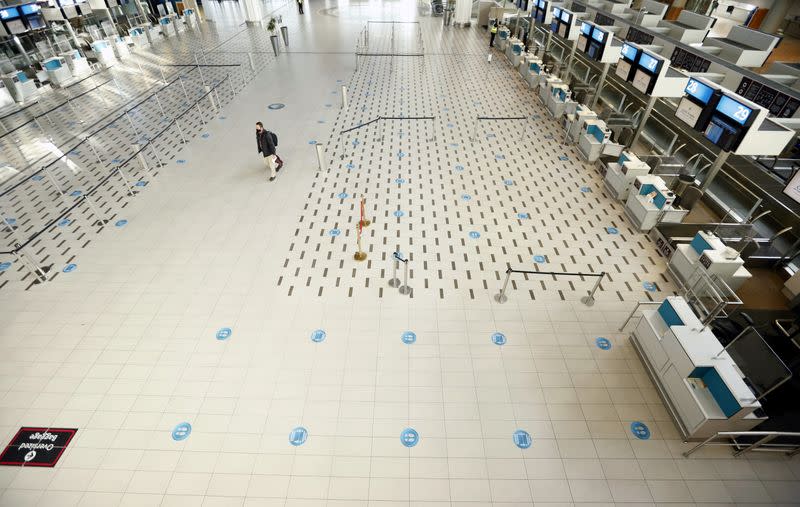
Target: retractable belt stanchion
[
  {"x": 395, "y": 282},
  {"x": 405, "y": 289}
]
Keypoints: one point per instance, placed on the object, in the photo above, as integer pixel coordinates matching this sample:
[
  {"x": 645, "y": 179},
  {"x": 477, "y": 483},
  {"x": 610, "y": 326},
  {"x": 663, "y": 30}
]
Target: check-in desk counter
[
  {"x": 745, "y": 47},
  {"x": 514, "y": 51},
  {"x": 592, "y": 138},
  {"x": 529, "y": 68},
  {"x": 503, "y": 36},
  {"x": 575, "y": 122},
  {"x": 58, "y": 72},
  {"x": 708, "y": 253},
  {"x": 556, "y": 100},
  {"x": 699, "y": 382},
  {"x": 621, "y": 174},
  {"x": 650, "y": 202},
  {"x": 120, "y": 47},
  {"x": 689, "y": 28},
  {"x": 19, "y": 85}
]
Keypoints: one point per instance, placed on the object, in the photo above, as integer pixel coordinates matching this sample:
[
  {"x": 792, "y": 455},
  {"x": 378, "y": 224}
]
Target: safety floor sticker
[{"x": 37, "y": 447}]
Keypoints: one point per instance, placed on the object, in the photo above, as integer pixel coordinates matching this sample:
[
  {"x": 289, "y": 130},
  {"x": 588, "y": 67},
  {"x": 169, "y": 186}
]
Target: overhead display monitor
[
  {"x": 30, "y": 9},
  {"x": 541, "y": 4},
  {"x": 648, "y": 62},
  {"x": 566, "y": 17},
  {"x": 628, "y": 52},
  {"x": 586, "y": 29},
  {"x": 734, "y": 110},
  {"x": 699, "y": 91},
  {"x": 9, "y": 13},
  {"x": 556, "y": 12},
  {"x": 599, "y": 35}
]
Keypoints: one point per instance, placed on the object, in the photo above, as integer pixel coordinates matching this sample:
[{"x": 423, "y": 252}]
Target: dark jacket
[{"x": 264, "y": 142}]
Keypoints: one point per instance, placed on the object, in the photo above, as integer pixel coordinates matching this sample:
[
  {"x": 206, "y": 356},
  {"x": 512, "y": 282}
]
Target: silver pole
[
  {"x": 320, "y": 158},
  {"x": 35, "y": 271},
  {"x": 589, "y": 300},
  {"x": 501, "y": 296},
  {"x": 95, "y": 211},
  {"x": 643, "y": 120},
  {"x": 180, "y": 132},
  {"x": 405, "y": 289},
  {"x": 201, "y": 113},
  {"x": 394, "y": 281},
  {"x": 344, "y": 97},
  {"x": 131, "y": 191}
]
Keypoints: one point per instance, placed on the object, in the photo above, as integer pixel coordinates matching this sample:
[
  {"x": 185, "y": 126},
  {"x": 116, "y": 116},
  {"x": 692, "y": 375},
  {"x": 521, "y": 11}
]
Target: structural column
[
  {"x": 252, "y": 11},
  {"x": 463, "y": 12},
  {"x": 775, "y": 16}
]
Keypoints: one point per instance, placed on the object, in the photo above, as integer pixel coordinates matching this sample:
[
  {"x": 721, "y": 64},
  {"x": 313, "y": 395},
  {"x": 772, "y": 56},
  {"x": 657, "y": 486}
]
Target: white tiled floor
[{"x": 123, "y": 348}]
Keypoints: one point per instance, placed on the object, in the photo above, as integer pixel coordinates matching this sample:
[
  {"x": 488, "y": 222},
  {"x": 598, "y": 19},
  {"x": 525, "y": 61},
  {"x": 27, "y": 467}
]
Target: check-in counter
[{"x": 700, "y": 383}]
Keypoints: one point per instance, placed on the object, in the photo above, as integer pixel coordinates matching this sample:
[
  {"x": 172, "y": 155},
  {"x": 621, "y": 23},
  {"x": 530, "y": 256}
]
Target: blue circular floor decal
[
  {"x": 500, "y": 156},
  {"x": 466, "y": 197},
  {"x": 318, "y": 336},
  {"x": 400, "y": 181},
  {"x": 640, "y": 430},
  {"x": 508, "y": 182},
  {"x": 522, "y": 439},
  {"x": 298, "y": 436},
  {"x": 37, "y": 177},
  {"x": 499, "y": 339},
  {"x": 334, "y": 232},
  {"x": 474, "y": 234},
  {"x": 612, "y": 230},
  {"x": 121, "y": 223},
  {"x": 181, "y": 161},
  {"x": 65, "y": 222},
  {"x": 75, "y": 193},
  {"x": 459, "y": 168},
  {"x": 398, "y": 213},
  {"x": 11, "y": 221},
  {"x": 205, "y": 136},
  {"x": 409, "y": 337},
  {"x": 649, "y": 286},
  {"x": 4, "y": 266},
  {"x": 409, "y": 437},
  {"x": 140, "y": 183},
  {"x": 539, "y": 259},
  {"x": 585, "y": 189},
  {"x": 276, "y": 105},
  {"x": 69, "y": 268},
  {"x": 343, "y": 195},
  {"x": 224, "y": 333},
  {"x": 523, "y": 216},
  {"x": 181, "y": 431},
  {"x": 603, "y": 343}
]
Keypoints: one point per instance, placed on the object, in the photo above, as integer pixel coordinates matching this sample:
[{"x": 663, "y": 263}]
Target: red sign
[{"x": 37, "y": 447}]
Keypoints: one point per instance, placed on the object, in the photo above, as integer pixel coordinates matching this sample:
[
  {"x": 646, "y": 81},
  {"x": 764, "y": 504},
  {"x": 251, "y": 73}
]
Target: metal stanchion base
[
  {"x": 394, "y": 282},
  {"x": 500, "y": 297},
  {"x": 405, "y": 289},
  {"x": 101, "y": 222},
  {"x": 360, "y": 256},
  {"x": 587, "y": 300}
]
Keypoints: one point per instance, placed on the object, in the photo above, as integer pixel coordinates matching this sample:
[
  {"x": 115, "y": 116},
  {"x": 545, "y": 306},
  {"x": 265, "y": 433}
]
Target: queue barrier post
[
  {"x": 405, "y": 289},
  {"x": 588, "y": 300},
  {"x": 394, "y": 281}
]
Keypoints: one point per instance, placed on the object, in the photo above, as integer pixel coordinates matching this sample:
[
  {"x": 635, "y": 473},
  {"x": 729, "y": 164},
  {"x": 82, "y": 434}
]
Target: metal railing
[
  {"x": 85, "y": 197},
  {"x": 635, "y": 309},
  {"x": 588, "y": 300},
  {"x": 763, "y": 444}
]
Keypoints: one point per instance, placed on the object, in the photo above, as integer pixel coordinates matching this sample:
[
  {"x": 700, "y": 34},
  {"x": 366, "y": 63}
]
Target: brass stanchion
[
  {"x": 360, "y": 255},
  {"x": 364, "y": 222}
]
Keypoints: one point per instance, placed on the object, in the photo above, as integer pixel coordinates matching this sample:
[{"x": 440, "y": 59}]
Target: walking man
[
  {"x": 266, "y": 146},
  {"x": 493, "y": 31},
  {"x": 300, "y": 5}
]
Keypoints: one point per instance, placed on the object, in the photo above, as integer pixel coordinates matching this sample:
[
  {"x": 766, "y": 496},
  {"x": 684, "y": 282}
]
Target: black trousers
[
  {"x": 491, "y": 40},
  {"x": 300, "y": 6}
]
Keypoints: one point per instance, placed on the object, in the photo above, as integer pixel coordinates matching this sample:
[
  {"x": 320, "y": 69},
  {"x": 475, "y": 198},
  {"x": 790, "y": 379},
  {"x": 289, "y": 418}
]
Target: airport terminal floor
[{"x": 216, "y": 343}]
